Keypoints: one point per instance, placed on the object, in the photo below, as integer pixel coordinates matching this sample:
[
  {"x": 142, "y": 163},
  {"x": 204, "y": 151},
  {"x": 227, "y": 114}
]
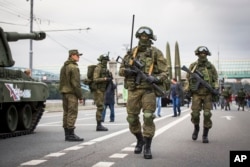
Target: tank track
[{"x": 35, "y": 120}]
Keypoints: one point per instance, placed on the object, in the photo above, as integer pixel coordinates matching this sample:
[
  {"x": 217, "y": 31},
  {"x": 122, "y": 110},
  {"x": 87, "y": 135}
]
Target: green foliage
[
  {"x": 54, "y": 91},
  {"x": 55, "y": 94}
]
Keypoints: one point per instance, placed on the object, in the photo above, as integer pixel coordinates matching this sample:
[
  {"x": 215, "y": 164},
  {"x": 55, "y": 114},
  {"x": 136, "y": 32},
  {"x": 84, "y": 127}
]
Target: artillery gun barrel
[{"x": 15, "y": 36}]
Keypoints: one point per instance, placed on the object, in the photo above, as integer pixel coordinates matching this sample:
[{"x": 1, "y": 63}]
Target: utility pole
[
  {"x": 31, "y": 30},
  {"x": 218, "y": 60}
]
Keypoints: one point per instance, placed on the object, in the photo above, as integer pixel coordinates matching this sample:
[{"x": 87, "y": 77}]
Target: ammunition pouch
[
  {"x": 129, "y": 83},
  {"x": 192, "y": 85}
]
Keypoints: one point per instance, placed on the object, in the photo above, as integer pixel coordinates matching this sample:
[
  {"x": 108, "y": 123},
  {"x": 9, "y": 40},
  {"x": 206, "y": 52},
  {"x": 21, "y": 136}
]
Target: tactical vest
[
  {"x": 104, "y": 73},
  {"x": 149, "y": 65},
  {"x": 207, "y": 72}
]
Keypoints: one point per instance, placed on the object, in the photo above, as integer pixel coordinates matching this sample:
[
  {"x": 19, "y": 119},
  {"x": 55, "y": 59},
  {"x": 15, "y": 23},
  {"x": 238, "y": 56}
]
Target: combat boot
[
  {"x": 147, "y": 148},
  {"x": 72, "y": 136},
  {"x": 205, "y": 135},
  {"x": 140, "y": 143},
  {"x": 99, "y": 127},
  {"x": 196, "y": 131},
  {"x": 66, "y": 132}
]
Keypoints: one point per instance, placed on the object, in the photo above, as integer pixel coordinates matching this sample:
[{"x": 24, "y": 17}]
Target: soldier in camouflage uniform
[
  {"x": 226, "y": 93},
  {"x": 201, "y": 96},
  {"x": 71, "y": 92},
  {"x": 241, "y": 96},
  {"x": 101, "y": 78},
  {"x": 141, "y": 96}
]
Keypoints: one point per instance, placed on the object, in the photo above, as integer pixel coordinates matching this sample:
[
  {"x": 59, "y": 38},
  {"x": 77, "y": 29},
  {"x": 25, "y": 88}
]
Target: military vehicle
[{"x": 22, "y": 99}]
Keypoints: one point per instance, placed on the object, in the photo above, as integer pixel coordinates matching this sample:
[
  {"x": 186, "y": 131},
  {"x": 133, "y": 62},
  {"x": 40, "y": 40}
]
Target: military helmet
[
  {"x": 103, "y": 57},
  {"x": 146, "y": 30},
  {"x": 202, "y": 49}
]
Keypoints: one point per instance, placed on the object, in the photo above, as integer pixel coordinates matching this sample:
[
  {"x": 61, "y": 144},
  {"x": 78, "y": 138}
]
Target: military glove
[
  {"x": 151, "y": 79},
  {"x": 129, "y": 72}
]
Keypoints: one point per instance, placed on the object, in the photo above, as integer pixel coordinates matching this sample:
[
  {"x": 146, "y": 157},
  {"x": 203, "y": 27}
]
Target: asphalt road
[{"x": 172, "y": 145}]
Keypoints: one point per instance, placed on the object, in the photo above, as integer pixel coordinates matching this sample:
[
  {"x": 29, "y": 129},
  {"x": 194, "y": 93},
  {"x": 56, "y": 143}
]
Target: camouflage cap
[{"x": 74, "y": 52}]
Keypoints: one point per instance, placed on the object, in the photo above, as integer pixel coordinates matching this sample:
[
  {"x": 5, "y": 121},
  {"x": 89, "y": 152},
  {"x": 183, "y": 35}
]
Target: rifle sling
[
  {"x": 134, "y": 55},
  {"x": 152, "y": 65},
  {"x": 194, "y": 68},
  {"x": 132, "y": 60}
]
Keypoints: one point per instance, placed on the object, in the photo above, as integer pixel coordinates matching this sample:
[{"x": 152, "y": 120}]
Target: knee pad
[
  {"x": 148, "y": 118},
  {"x": 207, "y": 114},
  {"x": 195, "y": 114},
  {"x": 131, "y": 120}
]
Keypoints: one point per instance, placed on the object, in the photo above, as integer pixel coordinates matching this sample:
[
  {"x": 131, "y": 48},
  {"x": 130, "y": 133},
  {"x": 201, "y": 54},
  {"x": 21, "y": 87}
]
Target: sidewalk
[{"x": 56, "y": 105}]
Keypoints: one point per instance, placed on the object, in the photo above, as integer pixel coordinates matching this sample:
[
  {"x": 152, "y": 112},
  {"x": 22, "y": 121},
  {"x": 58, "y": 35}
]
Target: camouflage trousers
[
  {"x": 145, "y": 100},
  {"x": 199, "y": 103},
  {"x": 227, "y": 103},
  {"x": 241, "y": 103},
  {"x": 99, "y": 102},
  {"x": 70, "y": 110}
]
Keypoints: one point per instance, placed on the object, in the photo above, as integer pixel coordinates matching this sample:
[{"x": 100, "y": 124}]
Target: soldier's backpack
[{"x": 89, "y": 80}]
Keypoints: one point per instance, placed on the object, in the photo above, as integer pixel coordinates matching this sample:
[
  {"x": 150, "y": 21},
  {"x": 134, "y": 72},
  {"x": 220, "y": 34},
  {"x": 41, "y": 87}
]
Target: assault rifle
[
  {"x": 139, "y": 74},
  {"x": 200, "y": 80}
]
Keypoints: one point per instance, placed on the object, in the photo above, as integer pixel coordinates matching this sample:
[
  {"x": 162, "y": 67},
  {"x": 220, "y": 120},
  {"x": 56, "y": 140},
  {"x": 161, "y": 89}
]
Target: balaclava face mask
[{"x": 202, "y": 58}]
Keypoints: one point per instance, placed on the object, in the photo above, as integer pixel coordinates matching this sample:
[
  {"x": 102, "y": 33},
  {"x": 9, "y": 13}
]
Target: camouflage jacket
[
  {"x": 241, "y": 94},
  {"x": 100, "y": 73},
  {"x": 151, "y": 57},
  {"x": 70, "y": 79},
  {"x": 209, "y": 73},
  {"x": 226, "y": 93}
]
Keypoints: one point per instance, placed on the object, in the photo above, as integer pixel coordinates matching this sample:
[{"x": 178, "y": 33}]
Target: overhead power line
[
  {"x": 12, "y": 23},
  {"x": 80, "y": 29}
]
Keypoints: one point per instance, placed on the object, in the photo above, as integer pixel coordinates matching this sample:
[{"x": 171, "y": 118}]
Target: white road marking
[
  {"x": 55, "y": 154},
  {"x": 103, "y": 164},
  {"x": 171, "y": 124},
  {"x": 87, "y": 143},
  {"x": 128, "y": 149},
  {"x": 74, "y": 148},
  {"x": 117, "y": 155},
  {"x": 110, "y": 135},
  {"x": 228, "y": 117},
  {"x": 33, "y": 162},
  {"x": 133, "y": 144}
]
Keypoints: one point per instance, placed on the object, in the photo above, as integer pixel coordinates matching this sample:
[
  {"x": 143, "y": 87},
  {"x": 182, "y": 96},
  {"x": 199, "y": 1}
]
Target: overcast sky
[{"x": 221, "y": 25}]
